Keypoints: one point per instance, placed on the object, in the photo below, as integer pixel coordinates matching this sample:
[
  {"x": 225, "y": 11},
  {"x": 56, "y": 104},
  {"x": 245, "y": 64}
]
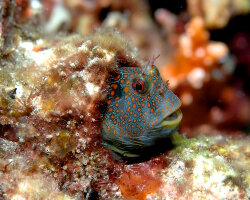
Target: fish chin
[
  {"x": 155, "y": 142},
  {"x": 162, "y": 131}
]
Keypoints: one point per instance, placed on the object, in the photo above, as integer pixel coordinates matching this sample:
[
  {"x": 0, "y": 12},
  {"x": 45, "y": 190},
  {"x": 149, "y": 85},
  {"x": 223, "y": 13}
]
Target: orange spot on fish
[
  {"x": 114, "y": 86},
  {"x": 117, "y": 77},
  {"x": 125, "y": 89}
]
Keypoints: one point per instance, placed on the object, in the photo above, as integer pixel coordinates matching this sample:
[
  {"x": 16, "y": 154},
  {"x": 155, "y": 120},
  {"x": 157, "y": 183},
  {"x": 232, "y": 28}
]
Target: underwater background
[{"x": 135, "y": 99}]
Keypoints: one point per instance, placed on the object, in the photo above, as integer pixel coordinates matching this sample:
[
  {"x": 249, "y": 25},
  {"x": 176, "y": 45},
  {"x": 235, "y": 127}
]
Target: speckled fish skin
[{"x": 138, "y": 103}]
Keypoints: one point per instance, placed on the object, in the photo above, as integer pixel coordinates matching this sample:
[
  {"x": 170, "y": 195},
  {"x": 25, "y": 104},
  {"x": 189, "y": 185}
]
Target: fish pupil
[{"x": 138, "y": 86}]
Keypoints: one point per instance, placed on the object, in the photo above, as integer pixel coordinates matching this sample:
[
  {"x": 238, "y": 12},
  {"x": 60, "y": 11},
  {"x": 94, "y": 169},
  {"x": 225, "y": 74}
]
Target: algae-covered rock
[{"x": 207, "y": 168}]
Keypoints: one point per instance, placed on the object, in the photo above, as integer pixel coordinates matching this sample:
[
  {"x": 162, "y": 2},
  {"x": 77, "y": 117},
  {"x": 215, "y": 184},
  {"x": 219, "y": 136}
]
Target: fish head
[{"x": 140, "y": 110}]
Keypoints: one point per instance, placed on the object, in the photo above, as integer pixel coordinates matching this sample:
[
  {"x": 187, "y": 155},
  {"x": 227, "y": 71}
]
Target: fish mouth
[{"x": 173, "y": 120}]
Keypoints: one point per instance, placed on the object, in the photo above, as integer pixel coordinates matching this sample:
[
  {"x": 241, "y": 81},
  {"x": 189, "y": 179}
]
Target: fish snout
[{"x": 173, "y": 120}]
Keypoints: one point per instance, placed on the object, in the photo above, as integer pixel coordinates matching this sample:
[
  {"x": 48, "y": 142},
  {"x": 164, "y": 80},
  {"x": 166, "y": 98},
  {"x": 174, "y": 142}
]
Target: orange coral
[
  {"x": 197, "y": 66},
  {"x": 195, "y": 51}
]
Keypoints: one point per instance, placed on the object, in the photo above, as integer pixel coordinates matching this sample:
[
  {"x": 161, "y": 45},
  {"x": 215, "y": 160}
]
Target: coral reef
[
  {"x": 196, "y": 67},
  {"x": 52, "y": 94},
  {"x": 195, "y": 53},
  {"x": 55, "y": 75}
]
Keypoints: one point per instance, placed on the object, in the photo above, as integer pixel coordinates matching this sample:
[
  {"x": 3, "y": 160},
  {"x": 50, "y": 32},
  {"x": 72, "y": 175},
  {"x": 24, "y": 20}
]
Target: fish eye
[{"x": 140, "y": 86}]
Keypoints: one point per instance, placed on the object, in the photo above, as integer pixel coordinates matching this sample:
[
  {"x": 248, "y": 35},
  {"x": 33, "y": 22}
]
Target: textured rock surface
[{"x": 52, "y": 92}]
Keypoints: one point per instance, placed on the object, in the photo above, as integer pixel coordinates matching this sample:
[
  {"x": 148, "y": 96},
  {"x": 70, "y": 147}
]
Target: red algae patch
[
  {"x": 138, "y": 186},
  {"x": 139, "y": 180}
]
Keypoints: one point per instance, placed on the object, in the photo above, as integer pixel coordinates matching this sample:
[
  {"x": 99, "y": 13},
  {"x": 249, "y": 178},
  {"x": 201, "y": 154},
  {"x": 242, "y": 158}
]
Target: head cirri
[{"x": 141, "y": 110}]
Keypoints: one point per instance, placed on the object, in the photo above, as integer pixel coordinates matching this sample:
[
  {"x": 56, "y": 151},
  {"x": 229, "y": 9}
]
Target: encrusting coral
[{"x": 51, "y": 103}]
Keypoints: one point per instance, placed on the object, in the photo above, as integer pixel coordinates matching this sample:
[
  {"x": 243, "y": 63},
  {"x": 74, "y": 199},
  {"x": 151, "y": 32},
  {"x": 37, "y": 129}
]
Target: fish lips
[{"x": 168, "y": 122}]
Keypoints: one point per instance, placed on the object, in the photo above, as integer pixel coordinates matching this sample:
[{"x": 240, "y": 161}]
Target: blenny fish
[{"x": 141, "y": 110}]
